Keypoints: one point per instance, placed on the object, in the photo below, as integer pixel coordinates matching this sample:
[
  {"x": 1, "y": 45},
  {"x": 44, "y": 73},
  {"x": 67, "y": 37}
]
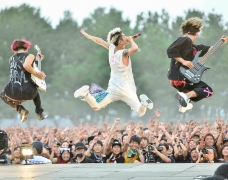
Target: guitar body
[
  {"x": 195, "y": 74},
  {"x": 39, "y": 82}
]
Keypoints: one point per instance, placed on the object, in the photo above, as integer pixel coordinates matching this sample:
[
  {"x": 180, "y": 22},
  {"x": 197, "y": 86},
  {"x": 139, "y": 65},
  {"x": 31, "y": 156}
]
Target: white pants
[{"x": 131, "y": 100}]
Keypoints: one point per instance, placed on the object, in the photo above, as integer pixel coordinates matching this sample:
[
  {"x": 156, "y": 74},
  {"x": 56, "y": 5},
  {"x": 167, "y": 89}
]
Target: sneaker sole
[
  {"x": 181, "y": 100},
  {"x": 184, "y": 109},
  {"x": 24, "y": 116},
  {"x": 78, "y": 92},
  {"x": 147, "y": 101}
]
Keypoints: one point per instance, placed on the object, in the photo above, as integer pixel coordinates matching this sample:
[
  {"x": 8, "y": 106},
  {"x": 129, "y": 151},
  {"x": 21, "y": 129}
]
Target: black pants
[
  {"x": 14, "y": 103},
  {"x": 201, "y": 88}
]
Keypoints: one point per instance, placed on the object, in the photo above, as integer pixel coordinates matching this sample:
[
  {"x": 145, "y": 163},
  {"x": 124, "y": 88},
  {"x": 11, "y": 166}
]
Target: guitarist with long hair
[
  {"x": 182, "y": 52},
  {"x": 20, "y": 87}
]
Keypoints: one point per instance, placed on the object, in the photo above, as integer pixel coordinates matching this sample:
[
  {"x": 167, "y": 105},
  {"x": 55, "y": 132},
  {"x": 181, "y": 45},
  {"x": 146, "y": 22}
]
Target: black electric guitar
[{"x": 195, "y": 74}]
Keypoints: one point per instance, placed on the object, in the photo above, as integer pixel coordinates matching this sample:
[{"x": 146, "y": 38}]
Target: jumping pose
[
  {"x": 121, "y": 84},
  {"x": 182, "y": 52},
  {"x": 20, "y": 87}
]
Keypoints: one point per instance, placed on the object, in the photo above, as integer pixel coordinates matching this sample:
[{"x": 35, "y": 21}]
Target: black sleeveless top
[{"x": 20, "y": 86}]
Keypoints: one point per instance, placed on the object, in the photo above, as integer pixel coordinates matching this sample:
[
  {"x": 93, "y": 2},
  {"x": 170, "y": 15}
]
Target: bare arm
[
  {"x": 117, "y": 120},
  {"x": 162, "y": 156},
  {"x": 132, "y": 126},
  {"x": 96, "y": 39},
  {"x": 185, "y": 151},
  {"x": 157, "y": 114},
  {"x": 127, "y": 52},
  {"x": 188, "y": 64},
  {"x": 28, "y": 67},
  {"x": 53, "y": 160}
]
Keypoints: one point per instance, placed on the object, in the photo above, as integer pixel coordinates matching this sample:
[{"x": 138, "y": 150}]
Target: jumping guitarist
[
  {"x": 20, "y": 87},
  {"x": 182, "y": 52}
]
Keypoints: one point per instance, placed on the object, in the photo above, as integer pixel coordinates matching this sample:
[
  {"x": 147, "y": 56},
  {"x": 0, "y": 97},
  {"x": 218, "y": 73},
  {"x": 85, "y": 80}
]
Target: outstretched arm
[{"x": 96, "y": 39}]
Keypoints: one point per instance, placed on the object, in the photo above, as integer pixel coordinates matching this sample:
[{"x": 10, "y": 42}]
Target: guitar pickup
[{"x": 189, "y": 73}]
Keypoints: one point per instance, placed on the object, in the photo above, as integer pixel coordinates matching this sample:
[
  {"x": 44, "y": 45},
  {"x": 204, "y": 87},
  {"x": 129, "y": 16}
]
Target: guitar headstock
[{"x": 38, "y": 49}]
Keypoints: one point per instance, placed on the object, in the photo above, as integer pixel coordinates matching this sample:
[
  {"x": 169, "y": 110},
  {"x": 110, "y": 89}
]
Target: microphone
[{"x": 137, "y": 35}]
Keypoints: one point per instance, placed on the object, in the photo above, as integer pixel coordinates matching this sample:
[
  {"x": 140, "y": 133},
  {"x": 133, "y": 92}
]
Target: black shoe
[
  {"x": 23, "y": 113},
  {"x": 42, "y": 115}
]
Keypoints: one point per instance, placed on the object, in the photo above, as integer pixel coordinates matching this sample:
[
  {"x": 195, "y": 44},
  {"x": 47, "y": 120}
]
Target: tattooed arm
[
  {"x": 96, "y": 40},
  {"x": 127, "y": 52}
]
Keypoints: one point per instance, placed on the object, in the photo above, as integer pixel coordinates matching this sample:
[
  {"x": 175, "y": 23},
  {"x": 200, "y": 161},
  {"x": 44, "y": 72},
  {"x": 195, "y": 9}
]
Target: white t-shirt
[
  {"x": 121, "y": 76},
  {"x": 38, "y": 160}
]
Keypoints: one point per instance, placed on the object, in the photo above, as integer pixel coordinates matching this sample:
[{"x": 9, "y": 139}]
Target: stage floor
[{"x": 108, "y": 171}]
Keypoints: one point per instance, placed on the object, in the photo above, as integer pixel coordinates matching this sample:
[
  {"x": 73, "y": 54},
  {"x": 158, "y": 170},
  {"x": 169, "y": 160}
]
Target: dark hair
[
  {"x": 193, "y": 149},
  {"x": 122, "y": 131},
  {"x": 215, "y": 152},
  {"x": 222, "y": 150},
  {"x": 124, "y": 136},
  {"x": 119, "y": 38},
  {"x": 221, "y": 171},
  {"x": 135, "y": 139},
  {"x": 63, "y": 150},
  {"x": 169, "y": 144},
  {"x": 190, "y": 30},
  {"x": 164, "y": 144},
  {"x": 17, "y": 148}
]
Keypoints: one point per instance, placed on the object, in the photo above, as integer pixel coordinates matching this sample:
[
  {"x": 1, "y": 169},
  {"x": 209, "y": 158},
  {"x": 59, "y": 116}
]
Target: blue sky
[{"x": 53, "y": 9}]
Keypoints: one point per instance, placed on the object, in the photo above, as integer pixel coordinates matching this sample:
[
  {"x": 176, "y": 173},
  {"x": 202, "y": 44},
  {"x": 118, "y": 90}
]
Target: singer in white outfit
[{"x": 121, "y": 84}]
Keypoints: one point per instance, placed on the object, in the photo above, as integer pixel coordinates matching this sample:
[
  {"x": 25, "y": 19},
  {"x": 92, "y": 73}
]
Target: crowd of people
[{"x": 149, "y": 142}]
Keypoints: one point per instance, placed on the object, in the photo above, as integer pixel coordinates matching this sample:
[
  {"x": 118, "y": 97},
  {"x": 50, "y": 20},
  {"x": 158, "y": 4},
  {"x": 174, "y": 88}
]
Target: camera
[
  {"x": 3, "y": 159},
  {"x": 150, "y": 148},
  {"x": 74, "y": 160},
  {"x": 151, "y": 155},
  {"x": 205, "y": 151},
  {"x": 159, "y": 148}
]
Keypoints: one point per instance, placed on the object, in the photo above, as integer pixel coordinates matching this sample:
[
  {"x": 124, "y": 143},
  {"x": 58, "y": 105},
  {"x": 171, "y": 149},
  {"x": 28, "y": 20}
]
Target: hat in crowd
[
  {"x": 38, "y": 146},
  {"x": 135, "y": 139},
  {"x": 116, "y": 143},
  {"x": 224, "y": 140},
  {"x": 99, "y": 142},
  {"x": 79, "y": 145},
  {"x": 90, "y": 138},
  {"x": 222, "y": 171}
]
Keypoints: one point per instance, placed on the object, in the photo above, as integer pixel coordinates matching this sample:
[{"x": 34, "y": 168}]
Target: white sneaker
[
  {"x": 82, "y": 92},
  {"x": 146, "y": 101},
  {"x": 184, "y": 109},
  {"x": 183, "y": 99}
]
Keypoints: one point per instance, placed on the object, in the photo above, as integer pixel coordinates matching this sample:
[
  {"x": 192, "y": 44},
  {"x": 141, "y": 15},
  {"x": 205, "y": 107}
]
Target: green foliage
[{"x": 71, "y": 60}]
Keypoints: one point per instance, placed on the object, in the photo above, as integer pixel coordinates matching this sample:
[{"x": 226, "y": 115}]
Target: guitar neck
[
  {"x": 39, "y": 64},
  {"x": 212, "y": 51}
]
